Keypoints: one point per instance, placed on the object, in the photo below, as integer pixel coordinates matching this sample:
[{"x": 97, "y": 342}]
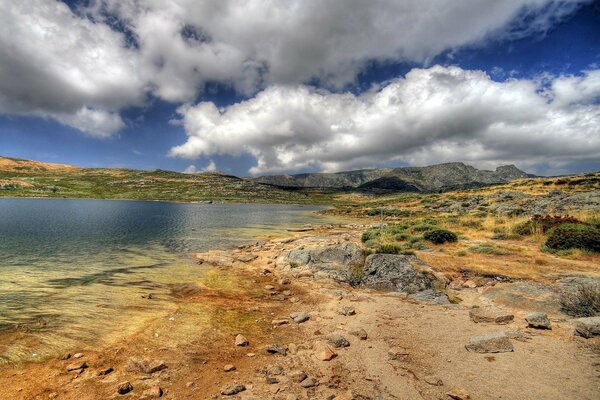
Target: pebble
[
  {"x": 77, "y": 355},
  {"x": 240, "y": 340},
  {"x": 308, "y": 383},
  {"x": 233, "y": 389},
  {"x": 297, "y": 376},
  {"x": 229, "y": 367},
  {"x": 153, "y": 392},
  {"x": 299, "y": 317},
  {"x": 347, "y": 311},
  {"x": 124, "y": 387},
  {"x": 105, "y": 371},
  {"x": 538, "y": 321},
  {"x": 458, "y": 394},
  {"x": 323, "y": 352},
  {"x": 279, "y": 322},
  {"x": 359, "y": 333},
  {"x": 337, "y": 340}
]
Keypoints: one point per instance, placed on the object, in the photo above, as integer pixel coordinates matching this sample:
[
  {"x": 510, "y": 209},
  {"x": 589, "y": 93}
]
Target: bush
[
  {"x": 439, "y": 236},
  {"x": 542, "y": 224},
  {"x": 370, "y": 234},
  {"x": 574, "y": 236},
  {"x": 401, "y": 236},
  {"x": 582, "y": 301},
  {"x": 423, "y": 228},
  {"x": 390, "y": 249},
  {"x": 484, "y": 249}
]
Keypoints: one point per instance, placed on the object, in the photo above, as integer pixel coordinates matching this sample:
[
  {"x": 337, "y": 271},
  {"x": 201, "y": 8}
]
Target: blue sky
[{"x": 140, "y": 126}]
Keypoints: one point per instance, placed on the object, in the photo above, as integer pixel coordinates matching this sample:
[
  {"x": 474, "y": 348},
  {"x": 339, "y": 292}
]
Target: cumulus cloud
[
  {"x": 432, "y": 115},
  {"x": 82, "y": 68},
  {"x": 192, "y": 169}
]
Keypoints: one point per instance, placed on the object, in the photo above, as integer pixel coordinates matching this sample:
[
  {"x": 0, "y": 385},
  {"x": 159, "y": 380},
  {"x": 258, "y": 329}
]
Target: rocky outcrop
[
  {"x": 336, "y": 261},
  {"x": 398, "y": 273}
]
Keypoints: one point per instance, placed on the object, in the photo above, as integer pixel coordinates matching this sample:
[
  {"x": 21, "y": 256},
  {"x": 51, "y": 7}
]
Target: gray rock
[
  {"x": 587, "y": 327},
  {"x": 273, "y": 349},
  {"x": 308, "y": 383},
  {"x": 337, "y": 261},
  {"x": 337, "y": 340},
  {"x": 299, "y": 317},
  {"x": 490, "y": 314},
  {"x": 359, "y": 333},
  {"x": 297, "y": 376},
  {"x": 145, "y": 366},
  {"x": 233, "y": 389},
  {"x": 347, "y": 311},
  {"x": 496, "y": 342},
  {"x": 538, "y": 321},
  {"x": 396, "y": 273}
]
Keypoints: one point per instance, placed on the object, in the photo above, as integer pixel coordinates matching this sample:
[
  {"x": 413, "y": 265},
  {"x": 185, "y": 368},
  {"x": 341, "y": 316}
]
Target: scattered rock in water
[
  {"x": 153, "y": 392},
  {"x": 496, "y": 342},
  {"x": 347, "y": 311},
  {"x": 77, "y": 366},
  {"x": 297, "y": 376},
  {"x": 77, "y": 355},
  {"x": 538, "y": 321},
  {"x": 229, "y": 368},
  {"x": 458, "y": 394},
  {"x": 124, "y": 387},
  {"x": 299, "y": 317},
  {"x": 273, "y": 349},
  {"x": 359, "y": 333},
  {"x": 337, "y": 340},
  {"x": 308, "y": 383},
  {"x": 490, "y": 314},
  {"x": 105, "y": 371},
  {"x": 145, "y": 366},
  {"x": 395, "y": 273},
  {"x": 588, "y": 327},
  {"x": 323, "y": 352},
  {"x": 233, "y": 389},
  {"x": 240, "y": 340}
]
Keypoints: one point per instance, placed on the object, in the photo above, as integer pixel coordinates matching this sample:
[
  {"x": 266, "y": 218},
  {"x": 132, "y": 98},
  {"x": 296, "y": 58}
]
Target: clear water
[{"x": 74, "y": 271}]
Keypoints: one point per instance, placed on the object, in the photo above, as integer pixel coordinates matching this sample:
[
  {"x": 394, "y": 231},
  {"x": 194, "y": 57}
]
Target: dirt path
[{"x": 413, "y": 350}]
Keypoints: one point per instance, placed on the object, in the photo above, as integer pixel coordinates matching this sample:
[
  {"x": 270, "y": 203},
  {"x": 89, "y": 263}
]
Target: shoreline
[{"x": 408, "y": 348}]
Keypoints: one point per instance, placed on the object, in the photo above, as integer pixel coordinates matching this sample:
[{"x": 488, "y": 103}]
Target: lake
[{"x": 73, "y": 271}]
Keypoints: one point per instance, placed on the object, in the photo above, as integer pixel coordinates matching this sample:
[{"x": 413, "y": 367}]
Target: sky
[{"x": 261, "y": 87}]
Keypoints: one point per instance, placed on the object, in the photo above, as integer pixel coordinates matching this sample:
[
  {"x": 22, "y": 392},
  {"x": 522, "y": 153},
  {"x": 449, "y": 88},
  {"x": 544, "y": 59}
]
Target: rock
[
  {"x": 304, "y": 274},
  {"x": 297, "y": 376},
  {"x": 246, "y": 258},
  {"x": 347, "y": 311},
  {"x": 308, "y": 383},
  {"x": 153, "y": 392},
  {"x": 336, "y": 260},
  {"x": 538, "y": 321},
  {"x": 470, "y": 284},
  {"x": 105, "y": 371},
  {"x": 279, "y": 322},
  {"x": 79, "y": 365},
  {"x": 229, "y": 368},
  {"x": 145, "y": 366},
  {"x": 496, "y": 342},
  {"x": 337, "y": 340},
  {"x": 458, "y": 394},
  {"x": 273, "y": 349},
  {"x": 284, "y": 281},
  {"x": 396, "y": 273},
  {"x": 274, "y": 370},
  {"x": 323, "y": 352},
  {"x": 124, "y": 387},
  {"x": 433, "y": 381},
  {"x": 397, "y": 353},
  {"x": 233, "y": 389},
  {"x": 269, "y": 287},
  {"x": 490, "y": 314},
  {"x": 240, "y": 340},
  {"x": 299, "y": 317},
  {"x": 587, "y": 327},
  {"x": 65, "y": 356},
  {"x": 271, "y": 380},
  {"x": 359, "y": 333},
  {"x": 77, "y": 355}
]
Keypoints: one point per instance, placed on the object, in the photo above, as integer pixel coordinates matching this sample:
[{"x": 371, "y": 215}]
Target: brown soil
[{"x": 428, "y": 341}]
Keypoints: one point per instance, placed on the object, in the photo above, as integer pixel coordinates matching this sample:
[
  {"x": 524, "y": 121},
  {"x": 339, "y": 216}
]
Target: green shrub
[
  {"x": 473, "y": 224},
  {"x": 484, "y": 249},
  {"x": 423, "y": 228},
  {"x": 390, "y": 249},
  {"x": 543, "y": 223},
  {"x": 401, "y": 236},
  {"x": 370, "y": 234},
  {"x": 439, "y": 236},
  {"x": 372, "y": 243},
  {"x": 500, "y": 236},
  {"x": 574, "y": 236}
]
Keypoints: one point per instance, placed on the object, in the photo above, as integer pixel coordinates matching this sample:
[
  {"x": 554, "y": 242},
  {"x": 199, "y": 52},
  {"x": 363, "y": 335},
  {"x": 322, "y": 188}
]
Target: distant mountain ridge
[{"x": 439, "y": 177}]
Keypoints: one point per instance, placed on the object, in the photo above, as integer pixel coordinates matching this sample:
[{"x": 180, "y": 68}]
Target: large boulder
[
  {"x": 399, "y": 273},
  {"x": 337, "y": 261},
  {"x": 587, "y": 327}
]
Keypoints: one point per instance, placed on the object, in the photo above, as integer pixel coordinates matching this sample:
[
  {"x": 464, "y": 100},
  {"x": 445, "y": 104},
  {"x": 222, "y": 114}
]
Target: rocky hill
[{"x": 440, "y": 177}]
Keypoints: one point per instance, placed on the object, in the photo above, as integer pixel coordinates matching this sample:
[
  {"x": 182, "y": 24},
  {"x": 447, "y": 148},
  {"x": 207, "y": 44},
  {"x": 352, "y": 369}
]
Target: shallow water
[{"x": 72, "y": 272}]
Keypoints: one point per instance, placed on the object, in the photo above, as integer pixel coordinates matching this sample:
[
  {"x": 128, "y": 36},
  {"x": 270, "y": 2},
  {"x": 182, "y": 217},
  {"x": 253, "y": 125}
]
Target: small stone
[
  {"x": 229, "y": 368},
  {"x": 587, "y": 327},
  {"x": 105, "y": 371},
  {"x": 538, "y": 321},
  {"x": 347, "y": 311},
  {"x": 77, "y": 355},
  {"x": 274, "y": 370},
  {"x": 80, "y": 365},
  {"x": 323, "y": 352},
  {"x": 124, "y": 387},
  {"x": 433, "y": 381},
  {"x": 359, "y": 333},
  {"x": 287, "y": 292},
  {"x": 299, "y": 317},
  {"x": 397, "y": 353},
  {"x": 145, "y": 366},
  {"x": 269, "y": 287},
  {"x": 233, "y": 389},
  {"x": 284, "y": 281},
  {"x": 53, "y": 396},
  {"x": 273, "y": 349},
  {"x": 297, "y": 376},
  {"x": 65, "y": 356},
  {"x": 458, "y": 394},
  {"x": 189, "y": 384},
  {"x": 240, "y": 340},
  {"x": 337, "y": 340},
  {"x": 153, "y": 392},
  {"x": 279, "y": 322},
  {"x": 496, "y": 342},
  {"x": 271, "y": 380},
  {"x": 308, "y": 383},
  {"x": 488, "y": 314},
  {"x": 470, "y": 284}
]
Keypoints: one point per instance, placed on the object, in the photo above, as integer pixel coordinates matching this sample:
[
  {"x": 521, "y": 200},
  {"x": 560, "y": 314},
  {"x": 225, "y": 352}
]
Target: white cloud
[
  {"x": 192, "y": 169},
  {"x": 76, "y": 69},
  {"x": 432, "y": 115}
]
